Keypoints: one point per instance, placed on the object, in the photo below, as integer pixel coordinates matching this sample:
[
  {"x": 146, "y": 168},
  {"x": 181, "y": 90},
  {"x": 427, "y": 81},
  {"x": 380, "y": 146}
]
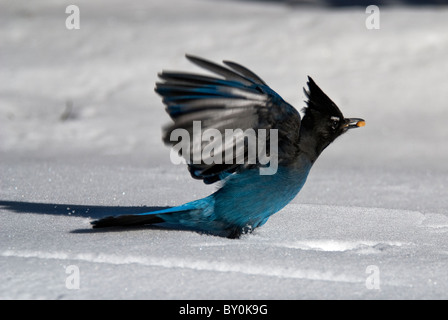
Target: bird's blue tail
[{"x": 194, "y": 215}]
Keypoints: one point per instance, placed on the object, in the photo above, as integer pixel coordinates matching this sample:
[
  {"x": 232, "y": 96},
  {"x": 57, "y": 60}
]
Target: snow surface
[{"x": 80, "y": 138}]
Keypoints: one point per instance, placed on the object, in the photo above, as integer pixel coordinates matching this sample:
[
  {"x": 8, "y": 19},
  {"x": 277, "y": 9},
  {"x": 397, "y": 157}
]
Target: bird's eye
[{"x": 334, "y": 122}]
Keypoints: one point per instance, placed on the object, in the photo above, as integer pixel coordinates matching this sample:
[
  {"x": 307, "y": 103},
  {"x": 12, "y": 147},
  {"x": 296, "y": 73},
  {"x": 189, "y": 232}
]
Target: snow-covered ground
[{"x": 80, "y": 138}]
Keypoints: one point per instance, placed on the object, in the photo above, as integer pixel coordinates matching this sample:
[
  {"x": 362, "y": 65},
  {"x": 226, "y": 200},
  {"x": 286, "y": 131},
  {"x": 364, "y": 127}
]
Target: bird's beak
[{"x": 354, "y": 123}]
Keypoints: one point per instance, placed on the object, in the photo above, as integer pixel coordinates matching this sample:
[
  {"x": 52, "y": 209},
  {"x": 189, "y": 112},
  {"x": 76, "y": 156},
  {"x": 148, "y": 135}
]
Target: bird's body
[{"x": 241, "y": 100}]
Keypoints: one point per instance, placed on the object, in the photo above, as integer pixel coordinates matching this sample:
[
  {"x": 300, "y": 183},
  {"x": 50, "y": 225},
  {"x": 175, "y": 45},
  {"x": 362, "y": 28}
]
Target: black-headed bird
[{"x": 256, "y": 180}]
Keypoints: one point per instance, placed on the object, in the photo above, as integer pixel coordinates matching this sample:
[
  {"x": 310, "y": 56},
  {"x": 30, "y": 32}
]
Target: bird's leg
[{"x": 234, "y": 233}]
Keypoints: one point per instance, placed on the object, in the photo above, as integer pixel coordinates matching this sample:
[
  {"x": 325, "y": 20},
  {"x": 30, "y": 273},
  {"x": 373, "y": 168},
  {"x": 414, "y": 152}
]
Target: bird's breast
[{"x": 249, "y": 198}]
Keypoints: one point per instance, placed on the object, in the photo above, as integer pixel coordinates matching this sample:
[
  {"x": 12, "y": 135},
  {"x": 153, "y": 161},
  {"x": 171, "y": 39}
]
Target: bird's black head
[{"x": 323, "y": 122}]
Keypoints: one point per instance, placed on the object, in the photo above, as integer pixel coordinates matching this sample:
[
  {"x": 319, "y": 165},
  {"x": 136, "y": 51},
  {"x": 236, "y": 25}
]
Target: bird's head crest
[{"x": 319, "y": 102}]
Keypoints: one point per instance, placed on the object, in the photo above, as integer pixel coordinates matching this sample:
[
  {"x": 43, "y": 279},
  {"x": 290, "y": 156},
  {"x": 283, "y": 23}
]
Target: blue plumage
[{"x": 241, "y": 100}]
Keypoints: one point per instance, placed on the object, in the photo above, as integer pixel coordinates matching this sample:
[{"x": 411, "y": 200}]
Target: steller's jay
[{"x": 239, "y": 99}]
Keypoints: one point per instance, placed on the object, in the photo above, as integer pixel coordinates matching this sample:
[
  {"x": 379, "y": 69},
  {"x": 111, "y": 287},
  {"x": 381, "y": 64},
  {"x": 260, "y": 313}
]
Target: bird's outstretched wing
[{"x": 235, "y": 99}]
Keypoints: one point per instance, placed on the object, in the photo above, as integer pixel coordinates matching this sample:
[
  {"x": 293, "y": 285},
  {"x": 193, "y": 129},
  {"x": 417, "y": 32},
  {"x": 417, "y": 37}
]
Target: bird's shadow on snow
[
  {"x": 73, "y": 210},
  {"x": 83, "y": 211},
  {"x": 93, "y": 212}
]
